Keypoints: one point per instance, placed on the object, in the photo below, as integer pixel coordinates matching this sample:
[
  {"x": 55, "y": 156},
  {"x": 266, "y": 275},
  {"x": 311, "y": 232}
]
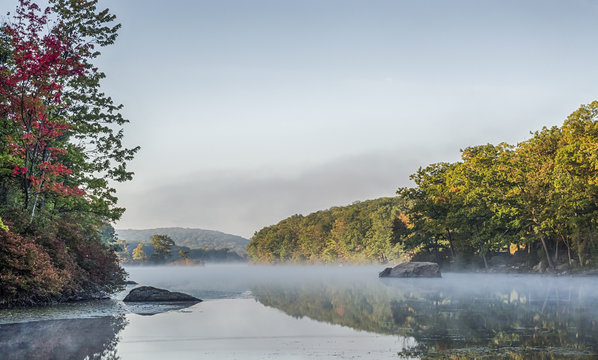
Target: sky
[{"x": 248, "y": 112}]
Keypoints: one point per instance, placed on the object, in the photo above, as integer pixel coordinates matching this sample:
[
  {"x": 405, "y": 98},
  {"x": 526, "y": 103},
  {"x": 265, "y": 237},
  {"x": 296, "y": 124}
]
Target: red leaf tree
[{"x": 31, "y": 86}]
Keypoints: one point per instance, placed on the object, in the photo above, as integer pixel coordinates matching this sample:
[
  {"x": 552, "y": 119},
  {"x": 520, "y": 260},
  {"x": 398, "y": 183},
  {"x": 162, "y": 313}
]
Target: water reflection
[
  {"x": 464, "y": 316},
  {"x": 460, "y": 316},
  {"x": 93, "y": 338},
  {"x": 70, "y": 331}
]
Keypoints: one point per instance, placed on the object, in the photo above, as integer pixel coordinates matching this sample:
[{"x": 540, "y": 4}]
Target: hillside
[
  {"x": 191, "y": 238},
  {"x": 363, "y": 232}
]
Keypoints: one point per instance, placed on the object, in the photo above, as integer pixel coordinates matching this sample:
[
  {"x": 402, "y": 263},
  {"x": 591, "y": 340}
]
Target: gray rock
[
  {"x": 412, "y": 269},
  {"x": 541, "y": 267},
  {"x": 152, "y": 294}
]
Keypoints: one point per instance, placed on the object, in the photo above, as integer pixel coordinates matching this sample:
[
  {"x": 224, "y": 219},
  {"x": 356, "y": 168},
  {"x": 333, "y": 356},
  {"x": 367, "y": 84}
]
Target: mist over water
[
  {"x": 278, "y": 312},
  {"x": 233, "y": 280}
]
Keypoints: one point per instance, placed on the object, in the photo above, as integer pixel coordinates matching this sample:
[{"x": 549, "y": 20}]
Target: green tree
[
  {"x": 433, "y": 210},
  {"x": 576, "y": 179},
  {"x": 359, "y": 233},
  {"x": 532, "y": 199},
  {"x": 184, "y": 254},
  {"x": 162, "y": 247}
]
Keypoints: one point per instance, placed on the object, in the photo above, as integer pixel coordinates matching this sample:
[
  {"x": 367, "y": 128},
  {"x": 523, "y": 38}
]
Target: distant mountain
[{"x": 191, "y": 238}]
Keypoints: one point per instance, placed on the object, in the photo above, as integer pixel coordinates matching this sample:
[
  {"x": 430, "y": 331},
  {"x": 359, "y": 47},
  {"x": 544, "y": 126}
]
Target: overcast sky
[{"x": 248, "y": 112}]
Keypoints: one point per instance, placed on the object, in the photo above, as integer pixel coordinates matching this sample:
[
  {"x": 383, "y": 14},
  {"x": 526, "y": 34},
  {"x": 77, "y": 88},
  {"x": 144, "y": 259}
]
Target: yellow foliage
[{"x": 513, "y": 248}]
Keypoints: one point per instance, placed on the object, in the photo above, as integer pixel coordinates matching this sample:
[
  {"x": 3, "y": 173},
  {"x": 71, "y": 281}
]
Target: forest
[
  {"x": 164, "y": 250},
  {"x": 195, "y": 239},
  {"x": 61, "y": 152},
  {"x": 364, "y": 232},
  {"x": 536, "y": 201}
]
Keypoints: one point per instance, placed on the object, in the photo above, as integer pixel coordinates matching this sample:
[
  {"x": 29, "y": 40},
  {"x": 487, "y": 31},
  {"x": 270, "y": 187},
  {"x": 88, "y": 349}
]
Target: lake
[{"x": 318, "y": 312}]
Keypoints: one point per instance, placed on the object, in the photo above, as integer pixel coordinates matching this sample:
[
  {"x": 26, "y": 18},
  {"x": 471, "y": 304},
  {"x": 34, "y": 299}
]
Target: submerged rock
[
  {"x": 412, "y": 269},
  {"x": 152, "y": 294}
]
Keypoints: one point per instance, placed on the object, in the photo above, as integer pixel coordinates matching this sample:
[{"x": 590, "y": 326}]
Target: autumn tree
[
  {"x": 61, "y": 144},
  {"x": 138, "y": 253},
  {"x": 61, "y": 140}
]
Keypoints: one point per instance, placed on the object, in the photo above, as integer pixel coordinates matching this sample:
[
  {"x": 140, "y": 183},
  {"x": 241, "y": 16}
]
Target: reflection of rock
[
  {"x": 94, "y": 338},
  {"x": 152, "y": 294},
  {"x": 153, "y": 308},
  {"x": 412, "y": 269}
]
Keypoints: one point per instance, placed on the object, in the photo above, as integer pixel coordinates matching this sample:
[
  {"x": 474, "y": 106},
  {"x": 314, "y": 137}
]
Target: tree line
[
  {"x": 535, "y": 200},
  {"x": 363, "y": 232},
  {"x": 540, "y": 196},
  {"x": 162, "y": 250},
  {"x": 61, "y": 149}
]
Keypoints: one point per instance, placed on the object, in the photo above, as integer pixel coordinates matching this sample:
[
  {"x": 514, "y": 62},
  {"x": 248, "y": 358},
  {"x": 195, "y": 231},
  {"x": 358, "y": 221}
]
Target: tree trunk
[
  {"x": 556, "y": 253},
  {"x": 483, "y": 254},
  {"x": 569, "y": 254},
  {"x": 580, "y": 250},
  {"x": 450, "y": 240},
  {"x": 547, "y": 254}
]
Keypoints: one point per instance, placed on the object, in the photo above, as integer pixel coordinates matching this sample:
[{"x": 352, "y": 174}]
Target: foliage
[
  {"x": 179, "y": 254},
  {"x": 138, "y": 253},
  {"x": 541, "y": 195},
  {"x": 184, "y": 254},
  {"x": 162, "y": 247},
  {"x": 54, "y": 261},
  {"x": 363, "y": 232},
  {"x": 61, "y": 145},
  {"x": 191, "y": 238}
]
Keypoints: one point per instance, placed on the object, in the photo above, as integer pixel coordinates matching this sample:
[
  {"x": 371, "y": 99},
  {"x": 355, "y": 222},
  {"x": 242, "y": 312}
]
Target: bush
[
  {"x": 46, "y": 261},
  {"x": 27, "y": 275}
]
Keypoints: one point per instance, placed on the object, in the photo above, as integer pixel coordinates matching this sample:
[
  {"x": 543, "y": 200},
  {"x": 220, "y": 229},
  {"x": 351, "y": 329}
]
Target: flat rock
[
  {"x": 412, "y": 269},
  {"x": 152, "y": 294}
]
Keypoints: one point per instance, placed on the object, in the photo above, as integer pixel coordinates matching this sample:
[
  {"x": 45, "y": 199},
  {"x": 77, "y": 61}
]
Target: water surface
[{"x": 319, "y": 312}]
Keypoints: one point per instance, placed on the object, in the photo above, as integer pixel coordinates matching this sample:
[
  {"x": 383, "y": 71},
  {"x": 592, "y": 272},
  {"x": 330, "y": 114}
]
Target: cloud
[{"x": 242, "y": 202}]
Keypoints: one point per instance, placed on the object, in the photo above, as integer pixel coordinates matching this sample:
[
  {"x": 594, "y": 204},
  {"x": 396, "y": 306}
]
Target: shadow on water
[
  {"x": 461, "y": 316},
  {"x": 93, "y": 338},
  {"x": 71, "y": 331}
]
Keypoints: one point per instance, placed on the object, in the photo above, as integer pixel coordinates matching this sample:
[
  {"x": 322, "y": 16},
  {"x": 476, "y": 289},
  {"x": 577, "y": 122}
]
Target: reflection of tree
[
  {"x": 94, "y": 338},
  {"x": 555, "y": 323}
]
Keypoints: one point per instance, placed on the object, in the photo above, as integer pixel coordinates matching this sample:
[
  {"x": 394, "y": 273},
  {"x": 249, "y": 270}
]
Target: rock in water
[
  {"x": 152, "y": 294},
  {"x": 412, "y": 269}
]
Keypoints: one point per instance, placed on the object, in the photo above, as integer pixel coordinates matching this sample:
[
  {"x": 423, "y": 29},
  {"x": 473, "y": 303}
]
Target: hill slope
[
  {"x": 191, "y": 238},
  {"x": 363, "y": 232}
]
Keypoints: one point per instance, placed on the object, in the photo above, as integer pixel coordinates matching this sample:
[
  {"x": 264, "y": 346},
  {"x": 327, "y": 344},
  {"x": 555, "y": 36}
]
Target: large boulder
[
  {"x": 152, "y": 294},
  {"x": 412, "y": 269}
]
